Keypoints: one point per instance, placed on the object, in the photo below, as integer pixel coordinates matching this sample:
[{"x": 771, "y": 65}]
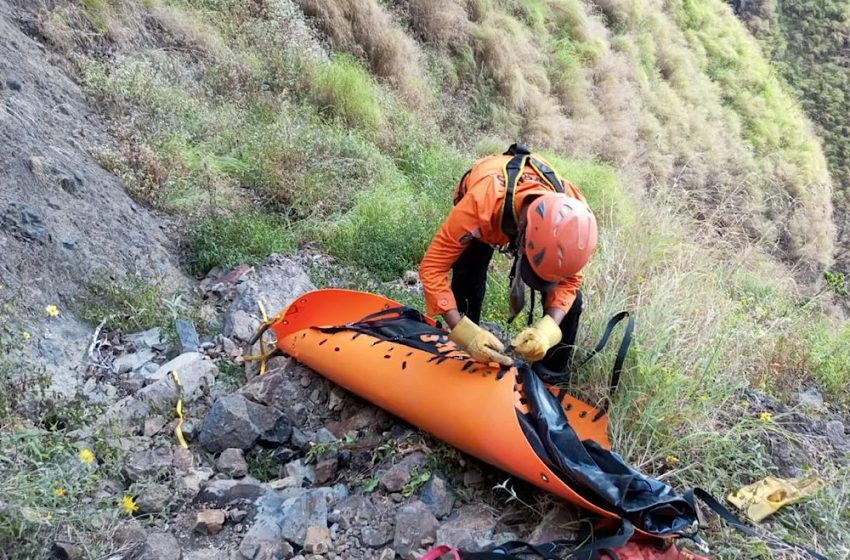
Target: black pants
[{"x": 469, "y": 283}]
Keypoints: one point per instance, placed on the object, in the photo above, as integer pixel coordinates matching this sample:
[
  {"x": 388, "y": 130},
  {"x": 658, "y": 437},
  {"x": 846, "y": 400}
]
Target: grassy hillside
[
  {"x": 346, "y": 123},
  {"x": 808, "y": 43}
]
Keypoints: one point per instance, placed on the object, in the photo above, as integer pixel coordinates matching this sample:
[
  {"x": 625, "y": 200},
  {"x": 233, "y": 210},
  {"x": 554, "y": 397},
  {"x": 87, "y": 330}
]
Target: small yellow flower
[
  {"x": 765, "y": 417},
  {"x": 86, "y": 456},
  {"x": 745, "y": 404},
  {"x": 59, "y": 491},
  {"x": 26, "y": 335},
  {"x": 129, "y": 505},
  {"x": 641, "y": 279},
  {"x": 52, "y": 310},
  {"x": 672, "y": 459}
]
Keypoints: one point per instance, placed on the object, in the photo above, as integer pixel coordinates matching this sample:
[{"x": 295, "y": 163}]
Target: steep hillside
[
  {"x": 808, "y": 43},
  {"x": 336, "y": 130}
]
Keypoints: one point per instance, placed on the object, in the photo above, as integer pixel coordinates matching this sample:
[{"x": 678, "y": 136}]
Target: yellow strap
[
  {"x": 178, "y": 430},
  {"x": 262, "y": 357}
]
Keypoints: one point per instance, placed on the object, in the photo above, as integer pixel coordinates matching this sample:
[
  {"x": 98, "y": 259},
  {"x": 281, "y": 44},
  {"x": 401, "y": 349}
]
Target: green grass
[
  {"x": 344, "y": 89},
  {"x": 227, "y": 241}
]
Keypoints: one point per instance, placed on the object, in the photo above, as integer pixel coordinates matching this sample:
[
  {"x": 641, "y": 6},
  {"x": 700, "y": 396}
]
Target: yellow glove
[
  {"x": 481, "y": 345},
  {"x": 536, "y": 340}
]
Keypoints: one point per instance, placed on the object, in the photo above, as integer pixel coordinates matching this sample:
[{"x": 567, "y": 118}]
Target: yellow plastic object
[
  {"x": 459, "y": 401},
  {"x": 763, "y": 498}
]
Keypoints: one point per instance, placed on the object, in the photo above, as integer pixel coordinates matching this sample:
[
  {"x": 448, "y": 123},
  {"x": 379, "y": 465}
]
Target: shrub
[
  {"x": 344, "y": 89},
  {"x": 227, "y": 241}
]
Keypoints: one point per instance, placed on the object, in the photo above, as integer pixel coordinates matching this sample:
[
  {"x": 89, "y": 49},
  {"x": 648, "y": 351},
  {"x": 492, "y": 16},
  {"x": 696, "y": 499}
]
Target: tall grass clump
[
  {"x": 344, "y": 89},
  {"x": 226, "y": 241}
]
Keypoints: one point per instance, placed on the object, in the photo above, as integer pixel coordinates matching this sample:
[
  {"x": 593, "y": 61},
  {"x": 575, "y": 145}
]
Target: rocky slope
[{"x": 63, "y": 218}]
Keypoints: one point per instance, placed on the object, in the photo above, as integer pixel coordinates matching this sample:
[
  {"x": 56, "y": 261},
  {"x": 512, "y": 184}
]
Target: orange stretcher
[{"x": 410, "y": 369}]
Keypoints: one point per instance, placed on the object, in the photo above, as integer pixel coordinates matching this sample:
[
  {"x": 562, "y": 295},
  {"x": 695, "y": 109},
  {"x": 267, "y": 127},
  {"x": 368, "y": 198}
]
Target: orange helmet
[{"x": 560, "y": 237}]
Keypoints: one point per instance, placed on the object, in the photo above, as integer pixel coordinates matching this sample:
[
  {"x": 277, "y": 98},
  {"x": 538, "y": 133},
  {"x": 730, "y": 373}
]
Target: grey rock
[
  {"x": 190, "y": 430},
  {"x": 395, "y": 478},
  {"x": 415, "y": 528},
  {"x": 303, "y": 473},
  {"x": 132, "y": 361},
  {"x": 278, "y": 517},
  {"x": 154, "y": 499},
  {"x": 232, "y": 463},
  {"x": 438, "y": 496},
  {"x": 353, "y": 511},
  {"x": 187, "y": 336},
  {"x": 51, "y": 351},
  {"x": 145, "y": 339},
  {"x": 221, "y": 493},
  {"x": 26, "y": 223},
  {"x": 836, "y": 433},
  {"x": 284, "y": 455},
  {"x": 326, "y": 470},
  {"x": 209, "y": 522},
  {"x": 237, "y": 515},
  {"x": 158, "y": 546},
  {"x": 276, "y": 283},
  {"x": 470, "y": 528},
  {"x": 387, "y": 554},
  {"x": 70, "y": 243},
  {"x": 14, "y": 84},
  {"x": 148, "y": 463},
  {"x": 182, "y": 458},
  {"x": 153, "y": 425},
  {"x": 234, "y": 421},
  {"x": 324, "y": 435},
  {"x": 189, "y": 485},
  {"x": 159, "y": 395},
  {"x": 811, "y": 398},
  {"x": 129, "y": 532},
  {"x": 240, "y": 325},
  {"x": 302, "y": 439},
  {"x": 79, "y": 177},
  {"x": 187, "y": 363},
  {"x": 376, "y": 536},
  {"x": 69, "y": 185}
]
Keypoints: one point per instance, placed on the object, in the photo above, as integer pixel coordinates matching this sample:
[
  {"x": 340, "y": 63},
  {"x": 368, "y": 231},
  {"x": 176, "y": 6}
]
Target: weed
[
  {"x": 343, "y": 89},
  {"x": 262, "y": 464},
  {"x": 417, "y": 480},
  {"x": 231, "y": 376},
  {"x": 132, "y": 305},
  {"x": 227, "y": 241}
]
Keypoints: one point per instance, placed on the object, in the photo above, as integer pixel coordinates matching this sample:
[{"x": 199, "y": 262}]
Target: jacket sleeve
[
  {"x": 462, "y": 225},
  {"x": 564, "y": 294}
]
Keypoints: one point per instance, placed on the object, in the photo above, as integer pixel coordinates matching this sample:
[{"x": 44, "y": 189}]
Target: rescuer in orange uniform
[{"x": 516, "y": 202}]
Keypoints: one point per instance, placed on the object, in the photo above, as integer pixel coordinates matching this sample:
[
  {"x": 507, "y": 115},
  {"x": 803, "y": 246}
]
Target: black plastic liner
[{"x": 598, "y": 475}]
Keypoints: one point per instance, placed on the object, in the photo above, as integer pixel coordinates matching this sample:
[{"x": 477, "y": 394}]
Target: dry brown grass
[
  {"x": 365, "y": 29},
  {"x": 443, "y": 24},
  {"x": 189, "y": 33}
]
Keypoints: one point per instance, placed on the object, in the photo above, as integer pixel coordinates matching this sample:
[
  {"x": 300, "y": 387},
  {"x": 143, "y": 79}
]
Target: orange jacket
[{"x": 478, "y": 216}]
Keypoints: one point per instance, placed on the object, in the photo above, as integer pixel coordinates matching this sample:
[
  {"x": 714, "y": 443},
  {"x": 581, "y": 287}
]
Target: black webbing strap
[
  {"x": 547, "y": 173},
  {"x": 513, "y": 169},
  {"x": 723, "y": 513},
  {"x": 558, "y": 549},
  {"x": 617, "y": 371}
]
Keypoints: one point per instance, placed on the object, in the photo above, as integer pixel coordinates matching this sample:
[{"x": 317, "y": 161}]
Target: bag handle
[{"x": 622, "y": 351}]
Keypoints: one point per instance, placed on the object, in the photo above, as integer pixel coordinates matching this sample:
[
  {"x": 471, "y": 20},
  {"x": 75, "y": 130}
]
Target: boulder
[
  {"x": 154, "y": 499},
  {"x": 415, "y": 529},
  {"x": 437, "y": 495},
  {"x": 235, "y": 422},
  {"x": 149, "y": 463},
  {"x": 209, "y": 522},
  {"x": 232, "y": 463},
  {"x": 395, "y": 478},
  {"x": 158, "y": 546},
  {"x": 470, "y": 528}
]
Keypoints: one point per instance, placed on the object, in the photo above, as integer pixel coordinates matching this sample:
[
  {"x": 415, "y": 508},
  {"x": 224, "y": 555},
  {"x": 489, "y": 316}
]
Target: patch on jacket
[{"x": 467, "y": 237}]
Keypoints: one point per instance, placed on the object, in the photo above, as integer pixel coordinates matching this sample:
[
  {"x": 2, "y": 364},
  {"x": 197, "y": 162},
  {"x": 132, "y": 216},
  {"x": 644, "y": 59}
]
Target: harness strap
[
  {"x": 723, "y": 512},
  {"x": 513, "y": 171},
  {"x": 617, "y": 371}
]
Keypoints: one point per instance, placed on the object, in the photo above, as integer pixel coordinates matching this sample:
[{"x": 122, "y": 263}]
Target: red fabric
[
  {"x": 437, "y": 552},
  {"x": 646, "y": 551}
]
